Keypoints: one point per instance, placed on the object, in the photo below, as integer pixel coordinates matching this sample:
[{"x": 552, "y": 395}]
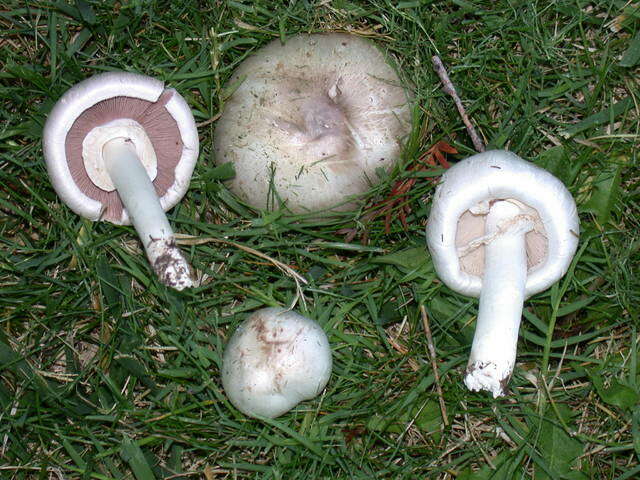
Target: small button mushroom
[
  {"x": 275, "y": 360},
  {"x": 502, "y": 229},
  {"x": 310, "y": 122},
  {"x": 120, "y": 147}
]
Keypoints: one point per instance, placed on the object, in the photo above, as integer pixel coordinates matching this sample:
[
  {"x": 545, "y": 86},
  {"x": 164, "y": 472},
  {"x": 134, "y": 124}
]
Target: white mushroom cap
[
  {"x": 469, "y": 186},
  {"x": 315, "y": 119},
  {"x": 117, "y": 98},
  {"x": 274, "y": 360},
  {"x": 501, "y": 229}
]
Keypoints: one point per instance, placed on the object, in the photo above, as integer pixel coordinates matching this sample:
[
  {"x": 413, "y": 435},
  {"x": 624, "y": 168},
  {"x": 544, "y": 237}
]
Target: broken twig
[{"x": 451, "y": 90}]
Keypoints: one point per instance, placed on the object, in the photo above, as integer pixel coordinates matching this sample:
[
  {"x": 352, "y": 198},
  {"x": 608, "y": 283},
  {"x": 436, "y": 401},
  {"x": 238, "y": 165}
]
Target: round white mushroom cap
[
  {"x": 157, "y": 121},
  {"x": 311, "y": 122},
  {"x": 274, "y": 360},
  {"x": 455, "y": 230}
]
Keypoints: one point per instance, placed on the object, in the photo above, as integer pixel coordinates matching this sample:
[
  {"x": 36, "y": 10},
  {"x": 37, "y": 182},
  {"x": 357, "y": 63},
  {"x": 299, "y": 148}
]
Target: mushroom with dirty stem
[
  {"x": 312, "y": 122},
  {"x": 122, "y": 148},
  {"x": 501, "y": 229},
  {"x": 275, "y": 359}
]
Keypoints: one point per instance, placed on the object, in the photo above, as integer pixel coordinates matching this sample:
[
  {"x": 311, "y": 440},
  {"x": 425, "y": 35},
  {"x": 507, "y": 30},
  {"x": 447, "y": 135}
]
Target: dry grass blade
[
  {"x": 286, "y": 269},
  {"x": 434, "y": 363}
]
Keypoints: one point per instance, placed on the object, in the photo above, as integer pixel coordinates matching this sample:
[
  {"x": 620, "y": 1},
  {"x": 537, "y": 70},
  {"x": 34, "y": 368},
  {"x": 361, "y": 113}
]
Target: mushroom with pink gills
[
  {"x": 121, "y": 147},
  {"x": 274, "y": 360},
  {"x": 501, "y": 229},
  {"x": 311, "y": 122}
]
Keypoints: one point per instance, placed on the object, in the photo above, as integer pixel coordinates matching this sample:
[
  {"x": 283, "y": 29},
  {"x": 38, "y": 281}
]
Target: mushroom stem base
[
  {"x": 147, "y": 216},
  {"x": 493, "y": 352}
]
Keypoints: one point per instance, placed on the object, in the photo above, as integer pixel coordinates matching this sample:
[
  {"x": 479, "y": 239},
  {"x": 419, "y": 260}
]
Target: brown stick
[
  {"x": 451, "y": 90},
  {"x": 434, "y": 365}
]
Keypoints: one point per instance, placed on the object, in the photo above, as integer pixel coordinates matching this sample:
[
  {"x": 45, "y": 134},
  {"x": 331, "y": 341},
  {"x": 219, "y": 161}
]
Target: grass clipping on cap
[{"x": 105, "y": 374}]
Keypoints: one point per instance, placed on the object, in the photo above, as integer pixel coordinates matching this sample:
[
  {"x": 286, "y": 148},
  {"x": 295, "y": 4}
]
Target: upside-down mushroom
[
  {"x": 121, "y": 147},
  {"x": 501, "y": 229}
]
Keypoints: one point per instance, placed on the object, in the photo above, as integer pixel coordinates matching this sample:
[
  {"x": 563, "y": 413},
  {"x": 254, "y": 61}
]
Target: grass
[{"x": 106, "y": 374}]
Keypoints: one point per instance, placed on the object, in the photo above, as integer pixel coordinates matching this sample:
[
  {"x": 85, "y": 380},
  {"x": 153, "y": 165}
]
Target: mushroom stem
[
  {"x": 493, "y": 352},
  {"x": 147, "y": 216}
]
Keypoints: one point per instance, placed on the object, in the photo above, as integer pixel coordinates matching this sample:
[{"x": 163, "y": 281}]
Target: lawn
[{"x": 107, "y": 374}]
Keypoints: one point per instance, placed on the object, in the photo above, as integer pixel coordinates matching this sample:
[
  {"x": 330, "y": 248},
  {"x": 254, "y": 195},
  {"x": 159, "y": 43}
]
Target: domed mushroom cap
[
  {"x": 157, "y": 120},
  {"x": 274, "y": 360},
  {"x": 313, "y": 119},
  {"x": 456, "y": 226}
]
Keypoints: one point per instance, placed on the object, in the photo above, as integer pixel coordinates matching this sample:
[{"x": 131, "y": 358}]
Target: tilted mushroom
[
  {"x": 120, "y": 147},
  {"x": 502, "y": 229},
  {"x": 275, "y": 359},
  {"x": 312, "y": 121}
]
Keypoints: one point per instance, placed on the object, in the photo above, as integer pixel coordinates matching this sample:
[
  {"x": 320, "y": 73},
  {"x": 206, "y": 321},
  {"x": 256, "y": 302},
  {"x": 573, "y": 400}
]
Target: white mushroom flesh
[{"x": 274, "y": 360}]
